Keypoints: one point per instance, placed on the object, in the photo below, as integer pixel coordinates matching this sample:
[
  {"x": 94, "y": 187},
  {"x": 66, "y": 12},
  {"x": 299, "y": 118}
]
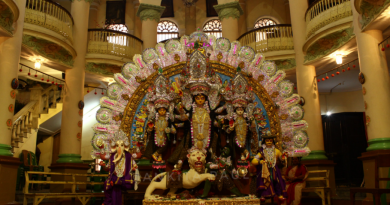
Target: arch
[
  {"x": 214, "y": 27},
  {"x": 265, "y": 21},
  {"x": 167, "y": 30}
]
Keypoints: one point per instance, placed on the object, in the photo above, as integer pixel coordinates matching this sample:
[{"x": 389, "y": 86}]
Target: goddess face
[
  {"x": 240, "y": 111},
  {"x": 162, "y": 111},
  {"x": 200, "y": 99},
  {"x": 269, "y": 142}
]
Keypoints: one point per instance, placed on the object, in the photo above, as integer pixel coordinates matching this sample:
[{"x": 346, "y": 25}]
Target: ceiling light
[
  {"x": 37, "y": 63},
  {"x": 339, "y": 58},
  {"x": 328, "y": 113}
]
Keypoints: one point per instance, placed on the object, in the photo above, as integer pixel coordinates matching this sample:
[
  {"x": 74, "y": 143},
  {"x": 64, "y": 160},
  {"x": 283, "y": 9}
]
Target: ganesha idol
[{"x": 123, "y": 171}]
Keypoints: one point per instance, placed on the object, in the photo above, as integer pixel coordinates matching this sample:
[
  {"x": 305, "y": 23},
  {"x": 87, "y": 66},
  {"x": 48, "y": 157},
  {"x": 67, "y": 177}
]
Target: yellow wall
[
  {"x": 274, "y": 8},
  {"x": 342, "y": 102},
  {"x": 46, "y": 148},
  {"x": 28, "y": 144},
  {"x": 180, "y": 16},
  {"x": 201, "y": 14}
]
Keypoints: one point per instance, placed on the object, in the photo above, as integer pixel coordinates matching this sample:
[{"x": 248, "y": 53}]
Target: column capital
[
  {"x": 231, "y": 9},
  {"x": 151, "y": 12}
]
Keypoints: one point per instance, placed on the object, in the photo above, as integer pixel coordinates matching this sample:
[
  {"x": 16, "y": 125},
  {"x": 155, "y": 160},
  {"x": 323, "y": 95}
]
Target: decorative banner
[
  {"x": 9, "y": 122},
  {"x": 11, "y": 108},
  {"x": 81, "y": 112},
  {"x": 14, "y": 83},
  {"x": 362, "y": 79},
  {"x": 81, "y": 105},
  {"x": 79, "y": 136},
  {"x": 13, "y": 94},
  {"x": 80, "y": 124}
]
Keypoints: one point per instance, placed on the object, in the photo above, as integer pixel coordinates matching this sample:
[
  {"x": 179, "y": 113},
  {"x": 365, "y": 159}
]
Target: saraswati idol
[{"x": 160, "y": 129}]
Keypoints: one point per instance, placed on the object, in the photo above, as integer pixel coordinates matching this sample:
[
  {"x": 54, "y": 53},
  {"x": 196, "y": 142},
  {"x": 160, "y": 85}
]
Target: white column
[
  {"x": 229, "y": 11},
  {"x": 150, "y": 16},
  {"x": 307, "y": 84},
  {"x": 70, "y": 145}
]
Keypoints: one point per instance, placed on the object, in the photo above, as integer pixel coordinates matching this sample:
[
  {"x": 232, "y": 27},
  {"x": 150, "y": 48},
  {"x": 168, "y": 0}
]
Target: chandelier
[{"x": 189, "y": 3}]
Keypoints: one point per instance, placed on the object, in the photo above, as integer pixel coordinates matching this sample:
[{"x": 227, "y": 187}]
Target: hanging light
[
  {"x": 339, "y": 58},
  {"x": 328, "y": 113},
  {"x": 37, "y": 63}
]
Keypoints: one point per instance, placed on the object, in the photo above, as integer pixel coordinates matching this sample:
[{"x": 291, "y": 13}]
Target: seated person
[{"x": 295, "y": 181}]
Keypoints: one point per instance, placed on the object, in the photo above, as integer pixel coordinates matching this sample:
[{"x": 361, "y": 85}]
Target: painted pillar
[
  {"x": 10, "y": 49},
  {"x": 137, "y": 21},
  {"x": 229, "y": 12},
  {"x": 150, "y": 16},
  {"x": 307, "y": 84},
  {"x": 376, "y": 92},
  {"x": 190, "y": 19},
  {"x": 71, "y": 125}
]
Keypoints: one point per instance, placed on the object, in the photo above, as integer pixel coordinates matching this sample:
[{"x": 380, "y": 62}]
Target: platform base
[{"x": 209, "y": 201}]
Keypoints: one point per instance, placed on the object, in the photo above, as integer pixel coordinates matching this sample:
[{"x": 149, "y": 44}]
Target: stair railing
[{"x": 27, "y": 118}]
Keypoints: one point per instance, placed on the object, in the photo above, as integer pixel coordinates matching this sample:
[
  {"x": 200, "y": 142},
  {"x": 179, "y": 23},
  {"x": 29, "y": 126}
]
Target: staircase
[{"x": 44, "y": 104}]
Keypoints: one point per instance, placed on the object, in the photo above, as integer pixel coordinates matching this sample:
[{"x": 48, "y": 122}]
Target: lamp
[
  {"x": 339, "y": 58},
  {"x": 328, "y": 113},
  {"x": 37, "y": 63}
]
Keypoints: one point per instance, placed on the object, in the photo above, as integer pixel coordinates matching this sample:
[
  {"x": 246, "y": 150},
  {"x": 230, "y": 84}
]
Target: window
[
  {"x": 114, "y": 37},
  {"x": 167, "y": 30},
  {"x": 264, "y": 22},
  {"x": 213, "y": 27},
  {"x": 117, "y": 27}
]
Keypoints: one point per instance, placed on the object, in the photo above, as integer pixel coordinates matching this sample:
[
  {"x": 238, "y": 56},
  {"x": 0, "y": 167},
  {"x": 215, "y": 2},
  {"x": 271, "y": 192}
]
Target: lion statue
[{"x": 175, "y": 179}]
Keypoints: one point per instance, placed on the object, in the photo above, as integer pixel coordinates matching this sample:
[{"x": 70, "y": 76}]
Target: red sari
[{"x": 300, "y": 170}]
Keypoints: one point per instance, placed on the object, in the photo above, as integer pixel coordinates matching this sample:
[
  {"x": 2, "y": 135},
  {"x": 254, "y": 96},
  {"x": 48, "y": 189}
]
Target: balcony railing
[
  {"x": 323, "y": 12},
  {"x": 50, "y": 15},
  {"x": 103, "y": 41},
  {"x": 269, "y": 38}
]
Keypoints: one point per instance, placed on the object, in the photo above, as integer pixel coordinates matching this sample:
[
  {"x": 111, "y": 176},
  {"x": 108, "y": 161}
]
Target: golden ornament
[
  {"x": 275, "y": 94},
  {"x": 177, "y": 58},
  {"x": 284, "y": 116},
  {"x": 260, "y": 78},
  {"x": 219, "y": 56}
]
